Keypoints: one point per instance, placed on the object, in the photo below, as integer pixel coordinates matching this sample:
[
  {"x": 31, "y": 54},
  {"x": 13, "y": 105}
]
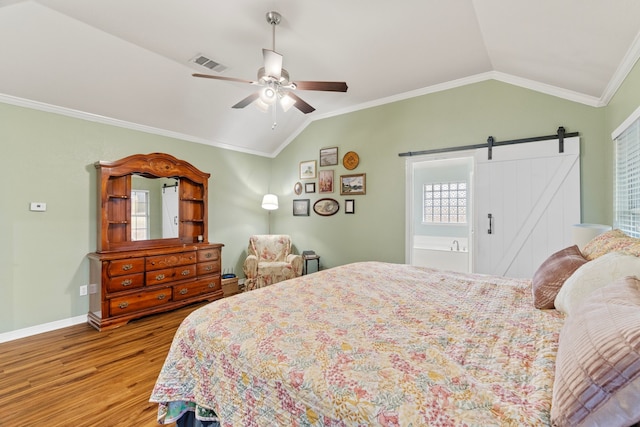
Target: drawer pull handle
[
  {"x": 123, "y": 305},
  {"x": 127, "y": 267},
  {"x": 208, "y": 255},
  {"x": 183, "y": 291},
  {"x": 208, "y": 268},
  {"x": 160, "y": 277},
  {"x": 186, "y": 272},
  {"x": 127, "y": 282},
  {"x": 161, "y": 296},
  {"x": 212, "y": 284}
]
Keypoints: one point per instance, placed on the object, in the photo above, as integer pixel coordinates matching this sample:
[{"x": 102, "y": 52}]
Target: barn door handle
[{"x": 490, "y": 231}]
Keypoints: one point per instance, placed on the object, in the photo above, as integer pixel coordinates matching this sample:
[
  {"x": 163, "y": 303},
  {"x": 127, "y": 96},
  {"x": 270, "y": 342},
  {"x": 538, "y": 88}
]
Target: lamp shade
[
  {"x": 270, "y": 202},
  {"x": 583, "y": 233}
]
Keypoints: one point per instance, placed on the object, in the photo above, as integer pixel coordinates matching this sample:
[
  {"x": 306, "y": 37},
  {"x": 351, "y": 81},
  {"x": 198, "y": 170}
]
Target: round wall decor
[
  {"x": 350, "y": 160},
  {"x": 297, "y": 188},
  {"x": 326, "y": 207}
]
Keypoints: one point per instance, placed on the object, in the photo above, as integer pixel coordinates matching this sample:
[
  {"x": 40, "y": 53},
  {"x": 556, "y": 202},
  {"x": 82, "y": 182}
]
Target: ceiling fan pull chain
[{"x": 275, "y": 112}]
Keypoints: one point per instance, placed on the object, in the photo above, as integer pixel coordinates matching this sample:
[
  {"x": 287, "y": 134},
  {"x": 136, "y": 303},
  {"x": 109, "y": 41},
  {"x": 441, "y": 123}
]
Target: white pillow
[{"x": 593, "y": 275}]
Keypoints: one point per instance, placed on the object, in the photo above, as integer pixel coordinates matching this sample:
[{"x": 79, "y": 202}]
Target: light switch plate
[{"x": 38, "y": 206}]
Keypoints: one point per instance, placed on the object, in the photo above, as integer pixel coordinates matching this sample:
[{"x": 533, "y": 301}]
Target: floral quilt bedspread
[{"x": 366, "y": 344}]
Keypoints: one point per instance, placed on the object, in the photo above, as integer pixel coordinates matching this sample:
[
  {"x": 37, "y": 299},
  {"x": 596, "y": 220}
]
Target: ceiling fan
[{"x": 275, "y": 81}]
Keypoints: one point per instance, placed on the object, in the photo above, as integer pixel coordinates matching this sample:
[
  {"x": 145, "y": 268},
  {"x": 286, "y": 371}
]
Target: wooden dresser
[
  {"x": 134, "y": 278},
  {"x": 133, "y": 284}
]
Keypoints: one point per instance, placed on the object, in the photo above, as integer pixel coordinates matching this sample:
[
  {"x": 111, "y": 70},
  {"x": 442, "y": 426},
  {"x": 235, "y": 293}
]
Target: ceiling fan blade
[
  {"x": 230, "y": 79},
  {"x": 272, "y": 63},
  {"x": 301, "y": 104},
  {"x": 248, "y": 100},
  {"x": 325, "y": 86}
]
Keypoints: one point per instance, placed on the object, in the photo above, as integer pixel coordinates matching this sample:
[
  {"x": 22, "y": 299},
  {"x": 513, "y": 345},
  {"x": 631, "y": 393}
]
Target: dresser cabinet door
[
  {"x": 124, "y": 283},
  {"x": 205, "y": 268},
  {"x": 207, "y": 255},
  {"x": 121, "y": 267},
  {"x": 157, "y": 277},
  {"x": 170, "y": 260},
  {"x": 198, "y": 287},
  {"x": 139, "y": 301}
]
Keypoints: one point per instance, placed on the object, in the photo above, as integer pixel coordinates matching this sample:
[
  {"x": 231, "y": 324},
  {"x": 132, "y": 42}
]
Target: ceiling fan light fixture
[
  {"x": 268, "y": 95},
  {"x": 286, "y": 102},
  {"x": 275, "y": 82},
  {"x": 261, "y": 105}
]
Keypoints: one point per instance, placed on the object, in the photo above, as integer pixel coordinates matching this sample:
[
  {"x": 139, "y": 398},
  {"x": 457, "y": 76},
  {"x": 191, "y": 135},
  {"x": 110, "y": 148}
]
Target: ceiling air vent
[{"x": 208, "y": 63}]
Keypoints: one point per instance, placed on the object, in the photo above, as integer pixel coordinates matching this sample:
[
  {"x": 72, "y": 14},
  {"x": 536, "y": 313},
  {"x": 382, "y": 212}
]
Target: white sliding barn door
[
  {"x": 532, "y": 193},
  {"x": 170, "y": 211}
]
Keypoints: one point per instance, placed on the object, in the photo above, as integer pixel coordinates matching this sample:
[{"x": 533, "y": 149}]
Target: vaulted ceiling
[{"x": 128, "y": 62}]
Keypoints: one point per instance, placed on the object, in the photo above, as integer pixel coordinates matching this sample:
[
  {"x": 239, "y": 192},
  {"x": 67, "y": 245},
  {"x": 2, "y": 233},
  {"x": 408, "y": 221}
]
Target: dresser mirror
[
  {"x": 154, "y": 208},
  {"x": 150, "y": 200}
]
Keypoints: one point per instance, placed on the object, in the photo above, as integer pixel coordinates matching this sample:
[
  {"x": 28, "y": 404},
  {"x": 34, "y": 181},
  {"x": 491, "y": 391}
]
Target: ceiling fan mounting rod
[{"x": 274, "y": 19}]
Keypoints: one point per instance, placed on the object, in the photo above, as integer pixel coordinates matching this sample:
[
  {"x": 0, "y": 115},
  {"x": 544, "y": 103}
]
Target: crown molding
[
  {"x": 69, "y": 112},
  {"x": 628, "y": 62}
]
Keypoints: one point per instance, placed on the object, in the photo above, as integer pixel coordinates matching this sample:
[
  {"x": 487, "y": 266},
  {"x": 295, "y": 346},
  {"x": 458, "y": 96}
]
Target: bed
[{"x": 382, "y": 344}]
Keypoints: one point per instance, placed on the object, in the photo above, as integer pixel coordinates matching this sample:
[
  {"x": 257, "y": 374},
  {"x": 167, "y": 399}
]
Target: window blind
[{"x": 627, "y": 180}]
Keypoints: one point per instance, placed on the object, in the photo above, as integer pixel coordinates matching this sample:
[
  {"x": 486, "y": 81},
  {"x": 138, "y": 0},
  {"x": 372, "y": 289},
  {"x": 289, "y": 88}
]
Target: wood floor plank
[{"x": 78, "y": 376}]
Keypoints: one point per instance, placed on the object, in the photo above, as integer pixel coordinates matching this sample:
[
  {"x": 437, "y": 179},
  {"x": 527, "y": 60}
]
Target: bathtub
[{"x": 441, "y": 252}]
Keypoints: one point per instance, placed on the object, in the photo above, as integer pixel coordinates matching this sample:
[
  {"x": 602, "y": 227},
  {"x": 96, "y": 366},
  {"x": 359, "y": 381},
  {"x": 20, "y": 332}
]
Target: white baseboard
[{"x": 39, "y": 329}]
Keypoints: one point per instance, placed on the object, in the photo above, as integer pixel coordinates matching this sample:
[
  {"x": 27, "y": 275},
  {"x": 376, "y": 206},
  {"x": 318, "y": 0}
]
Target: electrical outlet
[{"x": 83, "y": 290}]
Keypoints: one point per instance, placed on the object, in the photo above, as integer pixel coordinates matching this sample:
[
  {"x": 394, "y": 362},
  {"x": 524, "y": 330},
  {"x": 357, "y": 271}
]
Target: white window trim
[
  {"x": 628, "y": 222},
  {"x": 626, "y": 124}
]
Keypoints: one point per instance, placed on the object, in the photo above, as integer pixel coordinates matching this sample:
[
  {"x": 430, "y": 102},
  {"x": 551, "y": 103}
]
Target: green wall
[
  {"x": 625, "y": 102},
  {"x": 456, "y": 117},
  {"x": 49, "y": 158}
]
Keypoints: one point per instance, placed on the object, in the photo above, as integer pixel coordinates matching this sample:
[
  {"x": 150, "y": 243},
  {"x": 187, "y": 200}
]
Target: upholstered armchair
[{"x": 270, "y": 260}]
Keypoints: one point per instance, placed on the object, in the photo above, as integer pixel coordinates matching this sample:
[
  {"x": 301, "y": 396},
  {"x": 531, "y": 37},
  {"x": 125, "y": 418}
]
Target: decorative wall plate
[
  {"x": 351, "y": 160},
  {"x": 326, "y": 207},
  {"x": 297, "y": 188}
]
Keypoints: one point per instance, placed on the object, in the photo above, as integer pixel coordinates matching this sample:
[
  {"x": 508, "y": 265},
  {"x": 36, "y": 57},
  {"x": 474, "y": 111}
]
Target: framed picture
[
  {"x": 297, "y": 188},
  {"x": 326, "y": 181},
  {"x": 308, "y": 169},
  {"x": 326, "y": 207},
  {"x": 301, "y": 207},
  {"x": 310, "y": 187},
  {"x": 329, "y": 156},
  {"x": 353, "y": 184},
  {"x": 349, "y": 206}
]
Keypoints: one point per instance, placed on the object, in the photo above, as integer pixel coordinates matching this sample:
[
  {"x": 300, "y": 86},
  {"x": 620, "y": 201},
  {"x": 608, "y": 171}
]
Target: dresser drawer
[
  {"x": 123, "y": 283},
  {"x": 198, "y": 287},
  {"x": 157, "y": 277},
  {"x": 170, "y": 260},
  {"x": 120, "y": 267},
  {"x": 139, "y": 301},
  {"x": 206, "y": 255},
  {"x": 205, "y": 268}
]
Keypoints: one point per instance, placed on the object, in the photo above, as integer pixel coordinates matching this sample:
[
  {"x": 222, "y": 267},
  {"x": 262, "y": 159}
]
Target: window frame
[{"x": 626, "y": 206}]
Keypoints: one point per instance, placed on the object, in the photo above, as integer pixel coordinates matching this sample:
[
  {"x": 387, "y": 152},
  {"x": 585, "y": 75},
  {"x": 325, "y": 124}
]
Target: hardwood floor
[{"x": 78, "y": 376}]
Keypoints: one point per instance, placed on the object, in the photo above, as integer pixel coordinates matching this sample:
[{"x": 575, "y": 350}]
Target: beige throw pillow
[{"x": 593, "y": 275}]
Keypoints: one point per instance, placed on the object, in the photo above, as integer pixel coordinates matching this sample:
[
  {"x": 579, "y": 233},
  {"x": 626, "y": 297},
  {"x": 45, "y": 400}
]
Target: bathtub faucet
[{"x": 455, "y": 242}]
